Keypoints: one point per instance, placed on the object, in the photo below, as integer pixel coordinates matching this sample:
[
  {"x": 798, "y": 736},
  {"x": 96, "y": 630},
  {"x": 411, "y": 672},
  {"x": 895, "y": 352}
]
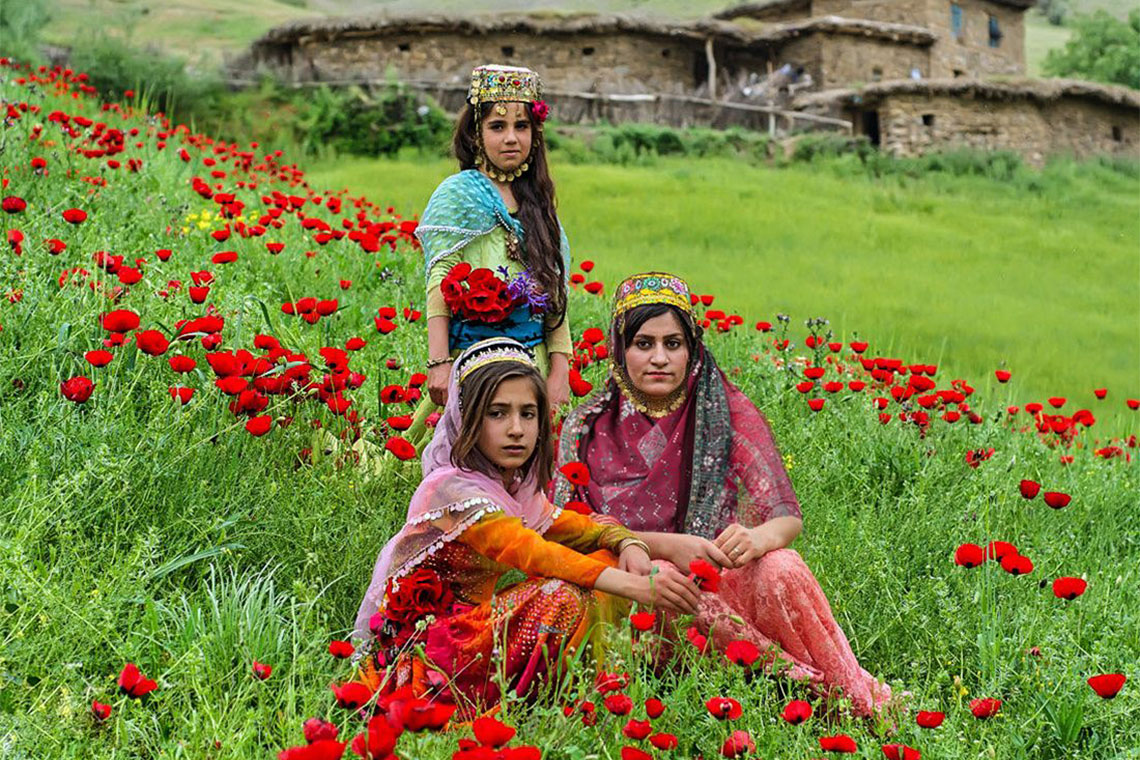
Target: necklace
[{"x": 653, "y": 407}]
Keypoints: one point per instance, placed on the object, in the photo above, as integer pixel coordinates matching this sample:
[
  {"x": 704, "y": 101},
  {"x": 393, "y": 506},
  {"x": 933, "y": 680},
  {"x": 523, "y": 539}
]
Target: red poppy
[
  {"x": 384, "y": 325},
  {"x": 587, "y": 266},
  {"x": 1016, "y": 564},
  {"x": 13, "y": 204},
  {"x": 400, "y": 422},
  {"x": 839, "y": 743},
  {"x": 607, "y": 682},
  {"x": 969, "y": 555},
  {"x": 1107, "y": 686},
  {"x": 352, "y": 695},
  {"x": 929, "y": 719},
  {"x": 1002, "y": 375},
  {"x": 743, "y": 653},
  {"x": 120, "y": 321},
  {"x": 341, "y": 649},
  {"x": 637, "y": 729},
  {"x": 316, "y": 729},
  {"x": 577, "y": 279},
  {"x": 259, "y": 426},
  {"x": 594, "y": 288},
  {"x": 663, "y": 741},
  {"x": 580, "y": 507},
  {"x": 805, "y": 386},
  {"x": 181, "y": 394},
  {"x": 1057, "y": 499},
  {"x": 392, "y": 394},
  {"x": 1133, "y": 403},
  {"x": 796, "y": 712},
  {"x": 738, "y": 744},
  {"x": 224, "y": 257},
  {"x": 492, "y": 733},
  {"x": 98, "y": 357},
  {"x": 1069, "y": 588},
  {"x": 618, "y": 704},
  {"x": 900, "y": 752},
  {"x": 275, "y": 248},
  {"x": 75, "y": 216},
  {"x": 261, "y": 671},
  {"x": 77, "y": 389},
  {"x": 698, "y": 640},
  {"x": 151, "y": 342},
  {"x": 182, "y": 363},
  {"x": 400, "y": 447},
  {"x": 858, "y": 346},
  {"x": 764, "y": 326},
  {"x": 985, "y": 708},
  {"x": 1029, "y": 489},
  {"x": 706, "y": 576},
  {"x": 1057, "y": 401},
  {"x": 654, "y": 707},
  {"x": 724, "y": 708},
  {"x": 815, "y": 404},
  {"x": 642, "y": 621},
  {"x": 633, "y": 753},
  {"x": 133, "y": 683},
  {"x": 100, "y": 711},
  {"x": 577, "y": 473},
  {"x": 378, "y": 740}
]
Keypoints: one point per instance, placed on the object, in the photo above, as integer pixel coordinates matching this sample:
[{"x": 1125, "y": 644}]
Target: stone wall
[
  {"x": 581, "y": 63},
  {"x": 842, "y": 60},
  {"x": 892, "y": 11},
  {"x": 912, "y": 125},
  {"x": 971, "y": 55}
]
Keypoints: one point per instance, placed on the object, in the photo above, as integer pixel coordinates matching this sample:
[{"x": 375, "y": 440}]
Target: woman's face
[
  {"x": 510, "y": 425},
  {"x": 657, "y": 359},
  {"x": 507, "y": 137}
]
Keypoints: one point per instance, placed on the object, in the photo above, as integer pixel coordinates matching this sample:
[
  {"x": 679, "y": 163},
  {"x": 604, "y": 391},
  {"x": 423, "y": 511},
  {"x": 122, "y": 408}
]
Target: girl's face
[
  {"x": 510, "y": 425},
  {"x": 507, "y": 137},
  {"x": 657, "y": 359}
]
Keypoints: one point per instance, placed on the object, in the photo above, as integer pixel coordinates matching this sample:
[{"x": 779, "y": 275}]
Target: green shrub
[
  {"x": 1103, "y": 48},
  {"x": 20, "y": 25}
]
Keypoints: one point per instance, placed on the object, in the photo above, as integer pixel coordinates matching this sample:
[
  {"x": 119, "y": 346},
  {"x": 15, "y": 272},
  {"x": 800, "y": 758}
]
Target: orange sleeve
[
  {"x": 580, "y": 533},
  {"x": 505, "y": 540}
]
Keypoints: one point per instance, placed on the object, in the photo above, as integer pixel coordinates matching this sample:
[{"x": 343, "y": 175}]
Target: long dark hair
[
  {"x": 476, "y": 394},
  {"x": 534, "y": 190}
]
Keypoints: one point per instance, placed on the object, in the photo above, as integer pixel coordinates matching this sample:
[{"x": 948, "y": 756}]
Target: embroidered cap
[
  {"x": 490, "y": 351},
  {"x": 652, "y": 287},
  {"x": 496, "y": 84}
]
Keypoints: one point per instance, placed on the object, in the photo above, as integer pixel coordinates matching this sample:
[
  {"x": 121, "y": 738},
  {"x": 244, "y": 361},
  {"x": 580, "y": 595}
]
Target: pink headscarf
[{"x": 450, "y": 499}]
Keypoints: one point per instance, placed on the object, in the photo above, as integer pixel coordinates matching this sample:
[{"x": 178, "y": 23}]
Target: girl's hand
[
  {"x": 667, "y": 588},
  {"x": 558, "y": 389},
  {"x": 740, "y": 545},
  {"x": 682, "y": 549},
  {"x": 635, "y": 560},
  {"x": 438, "y": 378}
]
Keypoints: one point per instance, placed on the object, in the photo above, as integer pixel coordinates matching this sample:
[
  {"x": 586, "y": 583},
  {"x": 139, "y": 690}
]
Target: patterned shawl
[
  {"x": 709, "y": 463},
  {"x": 465, "y": 206}
]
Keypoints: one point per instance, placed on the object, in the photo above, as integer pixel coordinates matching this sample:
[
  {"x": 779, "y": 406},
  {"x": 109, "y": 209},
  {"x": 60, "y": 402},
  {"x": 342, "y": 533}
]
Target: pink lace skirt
[{"x": 777, "y": 604}]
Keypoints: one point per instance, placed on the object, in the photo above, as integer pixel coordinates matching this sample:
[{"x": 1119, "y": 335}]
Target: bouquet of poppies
[
  {"x": 415, "y": 596},
  {"x": 480, "y": 295}
]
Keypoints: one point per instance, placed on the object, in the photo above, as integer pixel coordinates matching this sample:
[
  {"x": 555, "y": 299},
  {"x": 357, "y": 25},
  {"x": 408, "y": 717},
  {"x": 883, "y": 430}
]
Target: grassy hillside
[{"x": 967, "y": 271}]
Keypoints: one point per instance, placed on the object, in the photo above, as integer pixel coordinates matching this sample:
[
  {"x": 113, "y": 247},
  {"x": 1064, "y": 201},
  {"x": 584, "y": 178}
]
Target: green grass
[
  {"x": 963, "y": 271},
  {"x": 1040, "y": 38},
  {"x": 137, "y": 530}
]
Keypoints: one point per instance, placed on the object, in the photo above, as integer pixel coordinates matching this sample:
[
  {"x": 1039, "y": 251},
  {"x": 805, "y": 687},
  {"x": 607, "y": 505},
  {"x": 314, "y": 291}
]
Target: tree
[
  {"x": 1054, "y": 11},
  {"x": 1103, "y": 48}
]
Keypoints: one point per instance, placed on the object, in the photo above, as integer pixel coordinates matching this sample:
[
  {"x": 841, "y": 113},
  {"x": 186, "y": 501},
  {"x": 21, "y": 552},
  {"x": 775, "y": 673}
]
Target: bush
[
  {"x": 1103, "y": 48},
  {"x": 20, "y": 25},
  {"x": 357, "y": 122}
]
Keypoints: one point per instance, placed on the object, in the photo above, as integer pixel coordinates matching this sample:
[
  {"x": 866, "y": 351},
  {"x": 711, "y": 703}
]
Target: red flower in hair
[{"x": 540, "y": 110}]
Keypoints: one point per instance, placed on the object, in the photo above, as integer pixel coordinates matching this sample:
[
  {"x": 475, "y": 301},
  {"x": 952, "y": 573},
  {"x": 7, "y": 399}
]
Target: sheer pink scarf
[{"x": 450, "y": 499}]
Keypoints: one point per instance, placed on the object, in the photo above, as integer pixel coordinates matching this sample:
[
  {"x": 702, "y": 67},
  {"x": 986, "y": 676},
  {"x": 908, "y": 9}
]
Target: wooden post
[
  {"x": 711, "y": 58},
  {"x": 771, "y": 103}
]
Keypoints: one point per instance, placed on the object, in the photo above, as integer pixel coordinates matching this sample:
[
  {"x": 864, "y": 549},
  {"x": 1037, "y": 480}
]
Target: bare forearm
[
  {"x": 777, "y": 533},
  {"x": 438, "y": 342}
]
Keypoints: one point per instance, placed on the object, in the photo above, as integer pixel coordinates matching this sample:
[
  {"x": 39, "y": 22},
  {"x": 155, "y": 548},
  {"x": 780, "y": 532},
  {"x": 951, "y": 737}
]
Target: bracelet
[
  {"x": 432, "y": 363},
  {"x": 625, "y": 543}
]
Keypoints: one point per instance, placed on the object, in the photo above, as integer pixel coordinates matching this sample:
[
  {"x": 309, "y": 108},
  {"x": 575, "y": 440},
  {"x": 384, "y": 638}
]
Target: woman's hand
[
  {"x": 558, "y": 388},
  {"x": 635, "y": 560},
  {"x": 742, "y": 545},
  {"x": 681, "y": 549},
  {"x": 438, "y": 378},
  {"x": 667, "y": 588}
]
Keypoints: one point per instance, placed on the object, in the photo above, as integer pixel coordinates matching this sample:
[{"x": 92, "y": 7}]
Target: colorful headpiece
[
  {"x": 652, "y": 287},
  {"x": 490, "y": 351},
  {"x": 496, "y": 84}
]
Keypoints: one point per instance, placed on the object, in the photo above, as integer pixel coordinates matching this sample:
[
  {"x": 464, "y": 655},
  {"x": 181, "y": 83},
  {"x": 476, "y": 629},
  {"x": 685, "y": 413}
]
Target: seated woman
[
  {"x": 678, "y": 453},
  {"x": 478, "y": 515}
]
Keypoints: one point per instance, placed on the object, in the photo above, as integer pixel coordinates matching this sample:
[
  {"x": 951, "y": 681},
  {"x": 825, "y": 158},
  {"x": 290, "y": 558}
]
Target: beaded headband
[
  {"x": 490, "y": 351},
  {"x": 496, "y": 84},
  {"x": 652, "y": 287}
]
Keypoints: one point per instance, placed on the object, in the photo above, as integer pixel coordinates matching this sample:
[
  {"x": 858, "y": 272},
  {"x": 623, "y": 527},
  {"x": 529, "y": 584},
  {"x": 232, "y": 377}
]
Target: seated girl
[
  {"x": 677, "y": 453},
  {"x": 478, "y": 515}
]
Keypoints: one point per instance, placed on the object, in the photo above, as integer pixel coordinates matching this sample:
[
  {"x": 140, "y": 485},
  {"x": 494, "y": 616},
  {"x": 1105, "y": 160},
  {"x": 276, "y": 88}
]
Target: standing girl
[{"x": 496, "y": 258}]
